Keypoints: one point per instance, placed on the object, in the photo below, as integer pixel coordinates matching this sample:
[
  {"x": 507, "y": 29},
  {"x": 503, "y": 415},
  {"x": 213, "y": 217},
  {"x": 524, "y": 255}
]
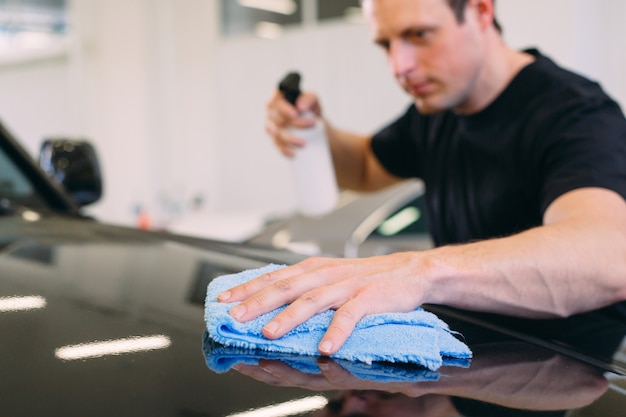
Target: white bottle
[{"x": 314, "y": 174}]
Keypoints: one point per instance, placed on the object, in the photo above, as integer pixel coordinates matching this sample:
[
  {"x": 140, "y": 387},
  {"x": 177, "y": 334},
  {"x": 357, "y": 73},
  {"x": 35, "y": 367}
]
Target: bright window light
[
  {"x": 34, "y": 40},
  {"x": 10, "y": 304},
  {"x": 288, "y": 408},
  {"x": 286, "y": 7},
  {"x": 112, "y": 347}
]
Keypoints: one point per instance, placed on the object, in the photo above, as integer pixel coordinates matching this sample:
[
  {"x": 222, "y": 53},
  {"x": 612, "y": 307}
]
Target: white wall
[
  {"x": 585, "y": 36},
  {"x": 146, "y": 83},
  {"x": 176, "y": 113},
  {"x": 35, "y": 98}
]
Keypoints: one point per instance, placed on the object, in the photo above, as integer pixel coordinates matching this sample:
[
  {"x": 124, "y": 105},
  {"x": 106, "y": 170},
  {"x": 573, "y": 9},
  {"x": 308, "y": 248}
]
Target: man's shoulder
[{"x": 549, "y": 79}]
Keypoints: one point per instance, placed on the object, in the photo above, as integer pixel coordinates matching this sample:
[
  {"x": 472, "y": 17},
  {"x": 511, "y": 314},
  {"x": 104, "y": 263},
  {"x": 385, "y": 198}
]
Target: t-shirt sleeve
[
  {"x": 588, "y": 149},
  {"x": 395, "y": 145}
]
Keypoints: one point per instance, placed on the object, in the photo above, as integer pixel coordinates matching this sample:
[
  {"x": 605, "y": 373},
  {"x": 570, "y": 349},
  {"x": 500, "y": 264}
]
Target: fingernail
[
  {"x": 225, "y": 296},
  {"x": 238, "y": 311},
  {"x": 325, "y": 347},
  {"x": 270, "y": 327},
  {"x": 267, "y": 366},
  {"x": 323, "y": 366}
]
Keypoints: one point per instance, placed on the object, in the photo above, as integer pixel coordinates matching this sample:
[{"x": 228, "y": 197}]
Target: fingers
[
  {"x": 344, "y": 321},
  {"x": 332, "y": 377},
  {"x": 302, "y": 308},
  {"x": 253, "y": 286},
  {"x": 309, "y": 102},
  {"x": 352, "y": 287},
  {"x": 286, "y": 143},
  {"x": 268, "y": 292},
  {"x": 282, "y": 117},
  {"x": 277, "y": 373},
  {"x": 289, "y": 376},
  {"x": 315, "y": 301},
  {"x": 308, "y": 288}
]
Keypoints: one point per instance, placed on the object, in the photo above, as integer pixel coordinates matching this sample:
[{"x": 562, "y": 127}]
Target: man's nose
[{"x": 403, "y": 58}]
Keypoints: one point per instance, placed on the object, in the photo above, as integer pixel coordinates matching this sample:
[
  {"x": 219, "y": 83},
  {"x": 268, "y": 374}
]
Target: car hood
[
  {"x": 70, "y": 289},
  {"x": 86, "y": 282}
]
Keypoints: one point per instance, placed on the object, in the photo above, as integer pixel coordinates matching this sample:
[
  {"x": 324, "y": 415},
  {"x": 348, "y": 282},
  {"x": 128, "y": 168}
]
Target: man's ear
[{"x": 484, "y": 12}]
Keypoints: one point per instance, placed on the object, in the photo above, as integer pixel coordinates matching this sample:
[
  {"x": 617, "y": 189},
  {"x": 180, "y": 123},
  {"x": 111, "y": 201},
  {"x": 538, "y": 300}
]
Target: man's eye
[
  {"x": 421, "y": 35},
  {"x": 384, "y": 44}
]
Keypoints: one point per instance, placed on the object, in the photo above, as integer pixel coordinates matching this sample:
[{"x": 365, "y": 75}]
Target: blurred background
[{"x": 172, "y": 92}]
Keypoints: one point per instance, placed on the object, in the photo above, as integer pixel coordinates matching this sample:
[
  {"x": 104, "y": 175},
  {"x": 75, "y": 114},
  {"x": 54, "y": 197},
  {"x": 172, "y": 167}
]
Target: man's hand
[
  {"x": 281, "y": 116},
  {"x": 542, "y": 379},
  {"x": 332, "y": 377},
  {"x": 353, "y": 287}
]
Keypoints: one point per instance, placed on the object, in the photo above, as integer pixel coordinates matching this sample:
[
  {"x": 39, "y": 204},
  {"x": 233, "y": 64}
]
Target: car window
[{"x": 15, "y": 188}]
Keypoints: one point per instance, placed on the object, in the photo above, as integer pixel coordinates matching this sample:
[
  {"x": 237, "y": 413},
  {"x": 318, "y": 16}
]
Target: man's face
[{"x": 436, "y": 59}]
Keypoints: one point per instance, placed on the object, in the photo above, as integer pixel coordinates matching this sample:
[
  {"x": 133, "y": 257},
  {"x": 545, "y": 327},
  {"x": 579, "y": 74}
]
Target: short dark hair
[{"x": 458, "y": 7}]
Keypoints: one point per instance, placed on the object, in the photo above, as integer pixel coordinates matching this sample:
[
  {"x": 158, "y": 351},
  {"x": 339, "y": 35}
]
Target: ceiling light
[
  {"x": 9, "y": 304},
  {"x": 112, "y": 347},
  {"x": 286, "y": 7},
  {"x": 288, "y": 408},
  {"x": 268, "y": 30}
]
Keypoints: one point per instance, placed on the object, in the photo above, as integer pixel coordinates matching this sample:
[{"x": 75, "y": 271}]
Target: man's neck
[{"x": 502, "y": 64}]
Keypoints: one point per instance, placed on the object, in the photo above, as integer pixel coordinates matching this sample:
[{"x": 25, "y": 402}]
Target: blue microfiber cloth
[
  {"x": 417, "y": 337},
  {"x": 221, "y": 359}
]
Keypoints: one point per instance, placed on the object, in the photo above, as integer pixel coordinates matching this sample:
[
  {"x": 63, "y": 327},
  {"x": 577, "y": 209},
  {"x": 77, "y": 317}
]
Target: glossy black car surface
[{"x": 98, "y": 320}]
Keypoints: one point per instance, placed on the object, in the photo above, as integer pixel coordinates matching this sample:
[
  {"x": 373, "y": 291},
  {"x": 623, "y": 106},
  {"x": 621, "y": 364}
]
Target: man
[{"x": 525, "y": 171}]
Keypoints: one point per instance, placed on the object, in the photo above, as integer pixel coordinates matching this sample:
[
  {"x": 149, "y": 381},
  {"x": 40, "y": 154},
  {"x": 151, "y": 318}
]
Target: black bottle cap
[{"x": 290, "y": 87}]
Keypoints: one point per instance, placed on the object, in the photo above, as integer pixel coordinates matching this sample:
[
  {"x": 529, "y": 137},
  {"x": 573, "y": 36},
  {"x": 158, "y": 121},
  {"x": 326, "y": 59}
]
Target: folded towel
[
  {"x": 417, "y": 337},
  {"x": 221, "y": 359}
]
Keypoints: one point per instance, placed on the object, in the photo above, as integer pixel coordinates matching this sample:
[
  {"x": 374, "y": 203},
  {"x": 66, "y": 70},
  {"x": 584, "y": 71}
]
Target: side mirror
[{"x": 73, "y": 164}]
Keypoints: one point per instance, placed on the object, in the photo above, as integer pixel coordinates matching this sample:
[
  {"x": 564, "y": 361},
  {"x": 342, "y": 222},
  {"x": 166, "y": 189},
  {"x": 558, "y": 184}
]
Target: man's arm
[
  {"x": 575, "y": 262},
  {"x": 356, "y": 166}
]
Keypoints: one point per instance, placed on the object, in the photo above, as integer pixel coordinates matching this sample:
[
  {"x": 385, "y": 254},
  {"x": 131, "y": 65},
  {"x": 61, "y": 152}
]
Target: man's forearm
[
  {"x": 559, "y": 269},
  {"x": 356, "y": 166}
]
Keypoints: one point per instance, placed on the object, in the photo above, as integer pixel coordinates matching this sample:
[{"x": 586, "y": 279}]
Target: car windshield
[{"x": 16, "y": 190}]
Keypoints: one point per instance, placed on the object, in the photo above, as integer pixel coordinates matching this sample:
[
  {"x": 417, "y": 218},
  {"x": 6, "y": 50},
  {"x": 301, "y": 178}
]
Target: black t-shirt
[{"x": 494, "y": 173}]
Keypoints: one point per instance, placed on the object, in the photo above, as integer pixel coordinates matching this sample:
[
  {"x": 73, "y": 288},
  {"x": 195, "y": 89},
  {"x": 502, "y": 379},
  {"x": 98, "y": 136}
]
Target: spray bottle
[{"x": 314, "y": 174}]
